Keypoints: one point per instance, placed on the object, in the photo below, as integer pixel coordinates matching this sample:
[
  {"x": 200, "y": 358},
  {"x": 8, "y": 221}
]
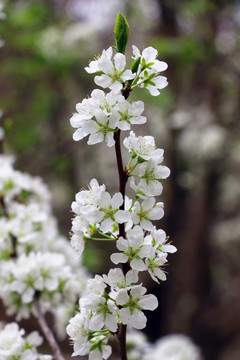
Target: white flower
[
  {"x": 133, "y": 249},
  {"x": 96, "y": 286},
  {"x": 133, "y": 303},
  {"x": 146, "y": 211},
  {"x": 104, "y": 312},
  {"x": 91, "y": 196},
  {"x": 45, "y": 273},
  {"x": 111, "y": 213},
  {"x": 144, "y": 147},
  {"x": 154, "y": 263},
  {"x": 103, "y": 129},
  {"x": 117, "y": 280},
  {"x": 173, "y": 347},
  {"x": 113, "y": 74},
  {"x": 131, "y": 113},
  {"x": 13, "y": 344},
  {"x": 148, "y": 70},
  {"x": 77, "y": 242},
  {"x": 98, "y": 354},
  {"x": 158, "y": 240},
  {"x": 78, "y": 331},
  {"x": 143, "y": 191}
]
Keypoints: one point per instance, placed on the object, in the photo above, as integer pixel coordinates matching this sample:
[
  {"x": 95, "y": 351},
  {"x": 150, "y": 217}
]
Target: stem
[
  {"x": 4, "y": 208},
  {"x": 98, "y": 239},
  {"x": 123, "y": 178},
  {"x": 48, "y": 333},
  {"x": 122, "y": 341}
]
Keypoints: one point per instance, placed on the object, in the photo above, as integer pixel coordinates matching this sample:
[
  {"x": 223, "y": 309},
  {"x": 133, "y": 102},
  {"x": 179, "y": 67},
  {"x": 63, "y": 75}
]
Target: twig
[
  {"x": 48, "y": 333},
  {"x": 123, "y": 178}
]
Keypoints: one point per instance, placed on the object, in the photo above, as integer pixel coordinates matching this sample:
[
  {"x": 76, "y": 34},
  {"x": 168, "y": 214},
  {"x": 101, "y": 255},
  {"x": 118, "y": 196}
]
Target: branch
[
  {"x": 123, "y": 178},
  {"x": 48, "y": 333}
]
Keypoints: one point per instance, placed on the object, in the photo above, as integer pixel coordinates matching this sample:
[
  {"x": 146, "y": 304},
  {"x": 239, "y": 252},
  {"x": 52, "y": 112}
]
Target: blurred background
[{"x": 195, "y": 120}]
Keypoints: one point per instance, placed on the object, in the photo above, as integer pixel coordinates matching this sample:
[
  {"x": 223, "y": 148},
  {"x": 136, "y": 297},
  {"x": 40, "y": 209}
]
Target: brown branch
[
  {"x": 48, "y": 333},
  {"x": 123, "y": 178}
]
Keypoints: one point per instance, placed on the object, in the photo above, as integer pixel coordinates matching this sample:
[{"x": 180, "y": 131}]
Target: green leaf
[
  {"x": 121, "y": 32},
  {"x": 135, "y": 64},
  {"x": 134, "y": 67}
]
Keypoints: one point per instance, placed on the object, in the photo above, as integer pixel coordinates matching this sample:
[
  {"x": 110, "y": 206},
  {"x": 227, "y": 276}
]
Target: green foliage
[
  {"x": 185, "y": 49},
  {"x": 121, "y": 32}
]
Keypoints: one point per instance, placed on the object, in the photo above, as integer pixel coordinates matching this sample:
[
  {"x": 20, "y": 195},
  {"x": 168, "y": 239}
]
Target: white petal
[
  {"x": 117, "y": 258},
  {"x": 124, "y": 316},
  {"x": 96, "y": 322},
  {"x": 122, "y": 216},
  {"x": 148, "y": 204},
  {"x": 122, "y": 297},
  {"x": 106, "y": 225},
  {"x": 131, "y": 277},
  {"x": 95, "y": 139},
  {"x": 156, "y": 213},
  {"x": 148, "y": 302},
  {"x": 116, "y": 87},
  {"x": 127, "y": 75},
  {"x": 169, "y": 249},
  {"x": 138, "y": 264},
  {"x": 120, "y": 61},
  {"x": 138, "y": 320},
  {"x": 79, "y": 135},
  {"x": 122, "y": 244},
  {"x": 103, "y": 81},
  {"x": 117, "y": 200},
  {"x": 136, "y": 52},
  {"x": 146, "y": 225}
]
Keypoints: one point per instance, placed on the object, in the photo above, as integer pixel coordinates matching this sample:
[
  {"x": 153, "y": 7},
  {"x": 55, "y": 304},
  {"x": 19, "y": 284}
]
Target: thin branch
[
  {"x": 122, "y": 342},
  {"x": 48, "y": 333},
  {"x": 123, "y": 178}
]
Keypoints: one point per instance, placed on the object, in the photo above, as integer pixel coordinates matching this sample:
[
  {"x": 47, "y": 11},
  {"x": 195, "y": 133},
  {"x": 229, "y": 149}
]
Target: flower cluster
[
  {"x": 118, "y": 299},
  {"x": 100, "y": 115},
  {"x": 14, "y": 345},
  {"x": 173, "y": 347},
  {"x": 36, "y": 263}
]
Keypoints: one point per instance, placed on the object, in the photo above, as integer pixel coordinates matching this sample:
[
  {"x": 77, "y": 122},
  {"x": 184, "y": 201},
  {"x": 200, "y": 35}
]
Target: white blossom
[
  {"x": 117, "y": 280},
  {"x": 148, "y": 70},
  {"x": 173, "y": 347},
  {"x": 14, "y": 345},
  {"x": 143, "y": 146},
  {"x": 133, "y": 303},
  {"x": 154, "y": 263},
  {"x": 113, "y": 72},
  {"x": 133, "y": 249},
  {"x": 158, "y": 240},
  {"x": 110, "y": 208},
  {"x": 130, "y": 113},
  {"x": 146, "y": 211}
]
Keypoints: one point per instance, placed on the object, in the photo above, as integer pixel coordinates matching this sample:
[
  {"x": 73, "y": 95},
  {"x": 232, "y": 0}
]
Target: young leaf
[
  {"x": 135, "y": 64},
  {"x": 121, "y": 32}
]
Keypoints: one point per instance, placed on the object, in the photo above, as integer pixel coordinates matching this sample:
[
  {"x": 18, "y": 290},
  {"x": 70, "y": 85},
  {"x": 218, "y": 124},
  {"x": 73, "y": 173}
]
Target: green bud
[{"x": 121, "y": 32}]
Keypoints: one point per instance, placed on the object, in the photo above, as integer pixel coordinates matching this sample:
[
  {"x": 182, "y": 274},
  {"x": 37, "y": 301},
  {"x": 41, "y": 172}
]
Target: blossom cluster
[
  {"x": 36, "y": 262},
  {"x": 15, "y": 345},
  {"x": 169, "y": 347},
  {"x": 102, "y": 114},
  {"x": 118, "y": 298},
  {"x": 173, "y": 347}
]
